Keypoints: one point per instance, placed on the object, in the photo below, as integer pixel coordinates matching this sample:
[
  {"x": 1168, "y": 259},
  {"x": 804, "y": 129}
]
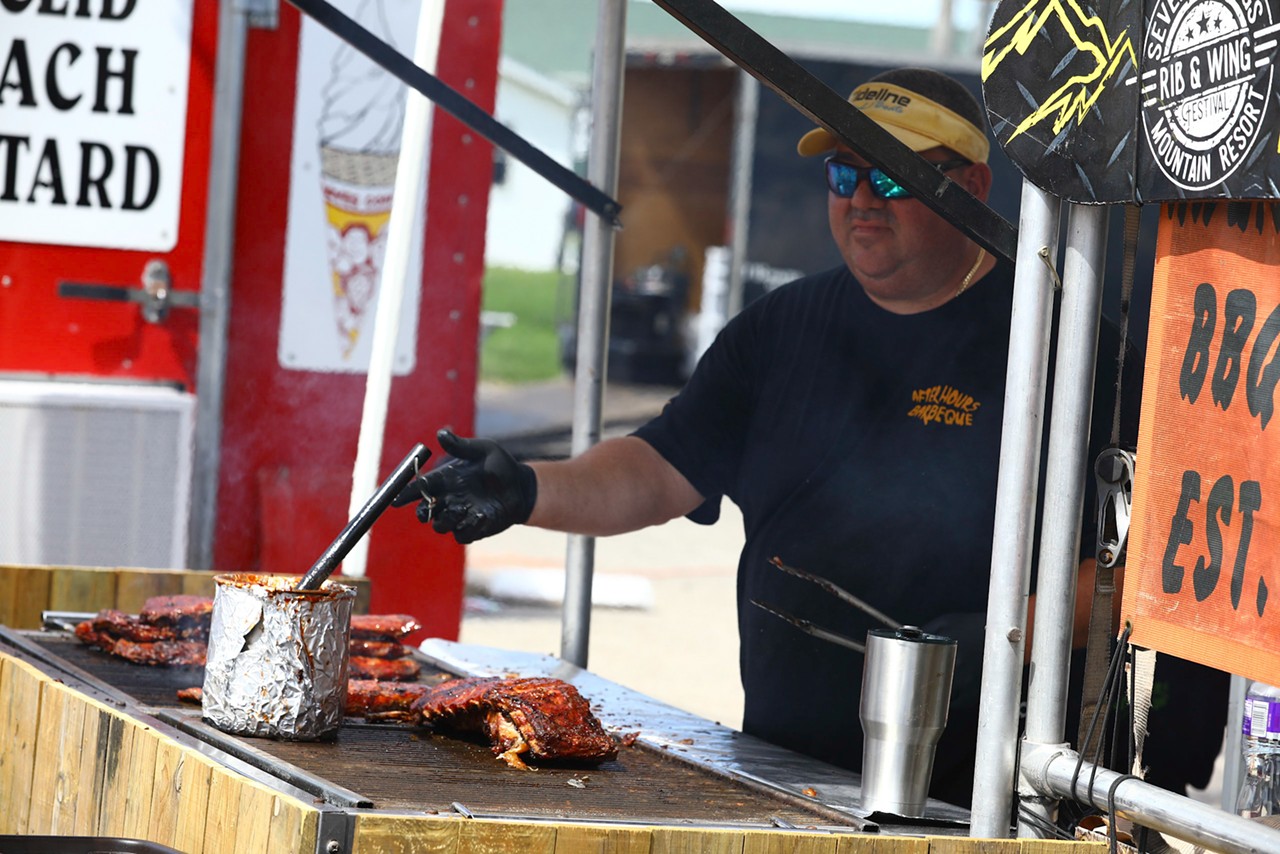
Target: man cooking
[{"x": 853, "y": 415}]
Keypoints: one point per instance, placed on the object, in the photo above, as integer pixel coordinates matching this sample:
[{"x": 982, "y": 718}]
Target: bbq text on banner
[{"x": 1203, "y": 579}]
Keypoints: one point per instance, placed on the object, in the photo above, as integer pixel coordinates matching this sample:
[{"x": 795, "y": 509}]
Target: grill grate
[{"x": 401, "y": 767}]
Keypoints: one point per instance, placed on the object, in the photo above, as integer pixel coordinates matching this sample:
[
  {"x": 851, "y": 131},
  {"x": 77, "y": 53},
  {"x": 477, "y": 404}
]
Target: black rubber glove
[{"x": 479, "y": 491}]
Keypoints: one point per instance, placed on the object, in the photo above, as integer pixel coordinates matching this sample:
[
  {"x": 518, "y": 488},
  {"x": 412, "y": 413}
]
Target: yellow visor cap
[{"x": 916, "y": 121}]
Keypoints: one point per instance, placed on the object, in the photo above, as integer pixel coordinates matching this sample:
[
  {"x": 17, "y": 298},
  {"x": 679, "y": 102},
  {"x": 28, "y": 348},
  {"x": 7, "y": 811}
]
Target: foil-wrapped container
[{"x": 277, "y": 658}]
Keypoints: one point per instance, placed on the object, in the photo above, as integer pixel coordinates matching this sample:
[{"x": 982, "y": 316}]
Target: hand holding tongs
[{"x": 840, "y": 593}]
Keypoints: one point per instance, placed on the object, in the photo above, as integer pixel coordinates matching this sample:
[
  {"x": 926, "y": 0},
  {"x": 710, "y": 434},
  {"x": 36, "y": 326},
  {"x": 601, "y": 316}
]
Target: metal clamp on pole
[
  {"x": 1114, "y": 473},
  {"x": 156, "y": 296}
]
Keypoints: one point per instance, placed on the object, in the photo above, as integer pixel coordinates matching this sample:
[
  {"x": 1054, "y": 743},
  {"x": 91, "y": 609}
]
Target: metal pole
[
  {"x": 411, "y": 176},
  {"x": 1233, "y": 744},
  {"x": 1015, "y": 514},
  {"x": 215, "y": 287},
  {"x": 1052, "y": 771},
  {"x": 593, "y": 307},
  {"x": 747, "y": 109},
  {"x": 1064, "y": 487}
]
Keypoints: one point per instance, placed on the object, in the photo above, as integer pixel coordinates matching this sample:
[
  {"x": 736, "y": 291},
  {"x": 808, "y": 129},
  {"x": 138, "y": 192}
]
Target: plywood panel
[
  {"x": 221, "y": 819},
  {"x": 81, "y": 589},
  {"x": 166, "y": 791},
  {"x": 1063, "y": 846},
  {"x": 68, "y": 784},
  {"x": 195, "y": 782},
  {"x": 960, "y": 845},
  {"x": 20, "y": 701},
  {"x": 141, "y": 771},
  {"x": 379, "y": 834},
  {"x": 44, "y": 779},
  {"x": 117, "y": 756},
  {"x": 24, "y": 593},
  {"x": 253, "y": 823},
  {"x": 871, "y": 843},
  {"x": 580, "y": 839},
  {"x": 684, "y": 841},
  {"x": 133, "y": 587},
  {"x": 496, "y": 837},
  {"x": 787, "y": 842},
  {"x": 198, "y": 583},
  {"x": 286, "y": 828},
  {"x": 91, "y": 766}
]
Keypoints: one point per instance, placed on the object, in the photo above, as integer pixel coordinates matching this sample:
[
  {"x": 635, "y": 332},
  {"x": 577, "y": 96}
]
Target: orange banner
[{"x": 1203, "y": 577}]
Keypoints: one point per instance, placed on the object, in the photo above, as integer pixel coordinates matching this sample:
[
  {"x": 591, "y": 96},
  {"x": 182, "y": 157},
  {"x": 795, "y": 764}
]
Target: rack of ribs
[
  {"x": 173, "y": 630},
  {"x": 138, "y": 641},
  {"x": 387, "y": 669},
  {"x": 383, "y": 701},
  {"x": 383, "y": 627},
  {"x": 189, "y": 616},
  {"x": 535, "y": 717},
  {"x": 368, "y": 698}
]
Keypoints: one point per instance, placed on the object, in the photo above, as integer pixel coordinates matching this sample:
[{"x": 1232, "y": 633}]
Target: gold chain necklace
[{"x": 968, "y": 277}]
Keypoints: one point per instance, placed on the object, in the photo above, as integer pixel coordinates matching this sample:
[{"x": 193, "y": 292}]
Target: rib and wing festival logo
[
  {"x": 1205, "y": 85},
  {"x": 1121, "y": 102}
]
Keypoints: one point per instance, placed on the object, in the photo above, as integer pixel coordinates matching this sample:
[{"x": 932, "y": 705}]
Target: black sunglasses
[{"x": 843, "y": 178}]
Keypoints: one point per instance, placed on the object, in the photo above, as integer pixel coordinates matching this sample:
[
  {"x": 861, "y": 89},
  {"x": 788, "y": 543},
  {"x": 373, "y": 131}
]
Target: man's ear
[{"x": 978, "y": 180}]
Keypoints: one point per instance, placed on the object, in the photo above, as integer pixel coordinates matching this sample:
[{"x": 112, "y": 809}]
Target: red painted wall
[{"x": 289, "y": 437}]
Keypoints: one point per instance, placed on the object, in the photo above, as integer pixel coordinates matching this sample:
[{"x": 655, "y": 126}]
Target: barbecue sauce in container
[{"x": 277, "y": 657}]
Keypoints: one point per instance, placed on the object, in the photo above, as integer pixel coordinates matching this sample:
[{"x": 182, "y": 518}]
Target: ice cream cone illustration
[{"x": 360, "y": 128}]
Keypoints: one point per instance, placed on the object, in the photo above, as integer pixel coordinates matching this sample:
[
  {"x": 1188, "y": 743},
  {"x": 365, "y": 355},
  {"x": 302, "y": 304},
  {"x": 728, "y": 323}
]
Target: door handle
[{"x": 156, "y": 296}]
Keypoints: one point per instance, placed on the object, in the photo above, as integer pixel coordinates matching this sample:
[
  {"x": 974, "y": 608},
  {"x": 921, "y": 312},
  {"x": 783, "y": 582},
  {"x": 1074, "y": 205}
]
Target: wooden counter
[{"x": 77, "y": 763}]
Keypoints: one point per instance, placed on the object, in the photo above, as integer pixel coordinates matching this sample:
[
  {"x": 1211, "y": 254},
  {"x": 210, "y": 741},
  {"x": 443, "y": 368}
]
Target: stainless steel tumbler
[{"x": 906, "y": 693}]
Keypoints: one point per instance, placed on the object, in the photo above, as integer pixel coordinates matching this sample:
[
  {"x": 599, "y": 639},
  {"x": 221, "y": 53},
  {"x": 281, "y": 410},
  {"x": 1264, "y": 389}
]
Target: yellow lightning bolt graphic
[{"x": 1075, "y": 97}]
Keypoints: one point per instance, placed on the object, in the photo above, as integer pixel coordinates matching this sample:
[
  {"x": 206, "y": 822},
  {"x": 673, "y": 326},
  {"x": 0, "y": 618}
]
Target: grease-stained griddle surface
[{"x": 400, "y": 767}]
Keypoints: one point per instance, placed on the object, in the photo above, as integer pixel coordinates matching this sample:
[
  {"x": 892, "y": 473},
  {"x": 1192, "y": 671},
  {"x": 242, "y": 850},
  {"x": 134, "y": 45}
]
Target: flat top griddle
[{"x": 400, "y": 767}]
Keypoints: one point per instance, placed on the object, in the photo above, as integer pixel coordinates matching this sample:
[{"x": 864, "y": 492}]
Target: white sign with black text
[{"x": 93, "y": 108}]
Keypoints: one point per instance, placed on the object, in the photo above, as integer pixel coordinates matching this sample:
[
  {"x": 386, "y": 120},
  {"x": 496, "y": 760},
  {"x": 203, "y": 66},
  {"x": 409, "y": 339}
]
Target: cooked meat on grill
[
  {"x": 537, "y": 717},
  {"x": 118, "y": 624},
  {"x": 88, "y": 634},
  {"x": 172, "y": 653},
  {"x": 384, "y": 627},
  {"x": 191, "y": 695},
  {"x": 386, "y": 669},
  {"x": 178, "y": 627},
  {"x": 379, "y": 700},
  {"x": 137, "y": 640},
  {"x": 369, "y": 698},
  {"x": 378, "y": 649},
  {"x": 189, "y": 616}
]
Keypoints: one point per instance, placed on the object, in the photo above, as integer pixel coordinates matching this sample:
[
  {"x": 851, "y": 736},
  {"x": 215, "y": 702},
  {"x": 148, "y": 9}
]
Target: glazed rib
[{"x": 537, "y": 717}]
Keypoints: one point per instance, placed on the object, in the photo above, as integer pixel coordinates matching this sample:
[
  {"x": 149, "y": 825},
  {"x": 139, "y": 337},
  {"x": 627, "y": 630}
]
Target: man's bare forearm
[{"x": 619, "y": 485}]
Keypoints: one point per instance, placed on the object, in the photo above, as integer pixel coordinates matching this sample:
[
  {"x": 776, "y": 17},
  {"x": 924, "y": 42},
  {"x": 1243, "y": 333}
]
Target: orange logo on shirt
[{"x": 942, "y": 404}]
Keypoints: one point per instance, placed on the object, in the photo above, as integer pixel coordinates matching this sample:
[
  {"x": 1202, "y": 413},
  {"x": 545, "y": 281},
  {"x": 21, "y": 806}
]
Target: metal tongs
[
  {"x": 840, "y": 593},
  {"x": 363, "y": 520}
]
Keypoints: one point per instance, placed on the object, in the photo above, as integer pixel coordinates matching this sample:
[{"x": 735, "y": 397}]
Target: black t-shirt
[{"x": 862, "y": 446}]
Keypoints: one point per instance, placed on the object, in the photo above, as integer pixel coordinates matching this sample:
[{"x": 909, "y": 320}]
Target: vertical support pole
[
  {"x": 215, "y": 284},
  {"x": 411, "y": 174},
  {"x": 1015, "y": 515},
  {"x": 593, "y": 308},
  {"x": 1065, "y": 475},
  {"x": 747, "y": 111}
]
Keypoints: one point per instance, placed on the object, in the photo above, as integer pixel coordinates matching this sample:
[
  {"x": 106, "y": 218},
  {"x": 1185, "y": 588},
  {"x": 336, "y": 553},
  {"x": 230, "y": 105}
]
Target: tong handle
[{"x": 362, "y": 521}]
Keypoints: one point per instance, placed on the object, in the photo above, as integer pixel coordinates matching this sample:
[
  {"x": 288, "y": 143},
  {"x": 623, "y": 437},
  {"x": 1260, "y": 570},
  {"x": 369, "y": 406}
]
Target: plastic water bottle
[{"x": 1260, "y": 793}]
